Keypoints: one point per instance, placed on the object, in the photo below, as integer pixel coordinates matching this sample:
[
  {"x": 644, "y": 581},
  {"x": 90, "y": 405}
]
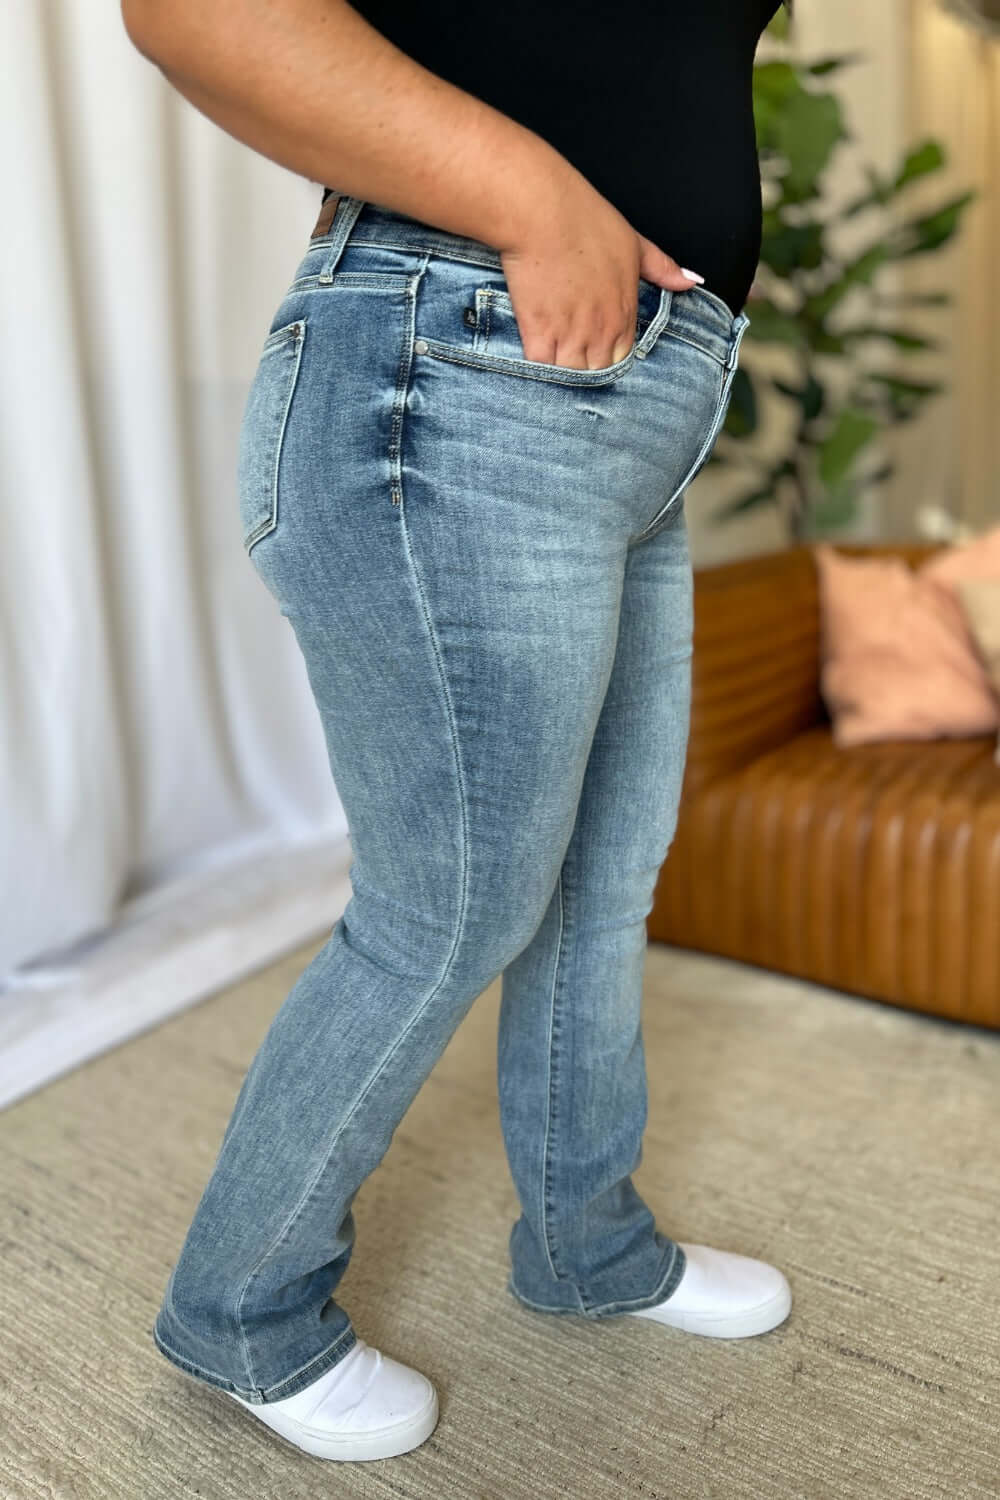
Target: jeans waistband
[{"x": 343, "y": 219}]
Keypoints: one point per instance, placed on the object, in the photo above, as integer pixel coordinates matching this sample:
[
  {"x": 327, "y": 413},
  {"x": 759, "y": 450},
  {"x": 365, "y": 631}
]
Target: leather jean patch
[{"x": 326, "y": 213}]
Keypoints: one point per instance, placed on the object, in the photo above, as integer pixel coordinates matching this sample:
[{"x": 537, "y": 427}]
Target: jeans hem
[
  {"x": 668, "y": 1284},
  {"x": 259, "y": 1395}
]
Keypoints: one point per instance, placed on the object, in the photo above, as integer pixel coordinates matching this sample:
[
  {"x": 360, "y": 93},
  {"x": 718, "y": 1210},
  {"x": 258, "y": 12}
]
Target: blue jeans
[{"x": 485, "y": 563}]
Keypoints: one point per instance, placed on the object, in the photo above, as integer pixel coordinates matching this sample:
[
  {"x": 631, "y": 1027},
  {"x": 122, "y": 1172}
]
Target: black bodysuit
[{"x": 650, "y": 99}]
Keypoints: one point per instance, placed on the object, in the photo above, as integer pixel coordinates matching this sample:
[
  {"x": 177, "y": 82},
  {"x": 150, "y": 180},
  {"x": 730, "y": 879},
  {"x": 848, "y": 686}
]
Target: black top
[{"x": 650, "y": 99}]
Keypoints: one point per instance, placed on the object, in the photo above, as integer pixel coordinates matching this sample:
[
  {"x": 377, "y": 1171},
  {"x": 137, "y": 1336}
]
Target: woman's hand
[{"x": 573, "y": 278}]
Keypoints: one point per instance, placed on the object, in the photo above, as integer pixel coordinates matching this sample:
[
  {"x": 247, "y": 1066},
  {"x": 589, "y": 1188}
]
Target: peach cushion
[
  {"x": 898, "y": 660},
  {"x": 980, "y": 599}
]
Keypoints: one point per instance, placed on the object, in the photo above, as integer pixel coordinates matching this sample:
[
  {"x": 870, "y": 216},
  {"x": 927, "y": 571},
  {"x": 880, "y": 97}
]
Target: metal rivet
[
  {"x": 640, "y": 354},
  {"x": 421, "y": 346}
]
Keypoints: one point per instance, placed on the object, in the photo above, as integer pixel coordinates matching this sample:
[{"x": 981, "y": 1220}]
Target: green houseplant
[{"x": 823, "y": 306}]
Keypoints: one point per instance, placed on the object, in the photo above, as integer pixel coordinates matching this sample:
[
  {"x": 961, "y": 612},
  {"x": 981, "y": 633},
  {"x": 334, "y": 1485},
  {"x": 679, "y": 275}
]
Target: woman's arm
[{"x": 310, "y": 84}]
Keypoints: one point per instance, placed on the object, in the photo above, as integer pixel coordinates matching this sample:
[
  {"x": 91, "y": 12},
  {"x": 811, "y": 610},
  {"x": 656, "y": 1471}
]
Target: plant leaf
[
  {"x": 765, "y": 491},
  {"x": 829, "y": 64},
  {"x": 786, "y": 247},
  {"x": 778, "y": 26},
  {"x": 769, "y": 325},
  {"x": 814, "y": 399},
  {"x": 743, "y": 503},
  {"x": 878, "y": 475},
  {"x": 930, "y": 231},
  {"x": 811, "y": 396},
  {"x": 807, "y": 129},
  {"x": 879, "y": 190},
  {"x": 857, "y": 271},
  {"x": 773, "y": 83},
  {"x": 905, "y": 387},
  {"x": 915, "y": 299},
  {"x": 919, "y": 160},
  {"x": 834, "y": 510},
  {"x": 897, "y": 336},
  {"x": 903, "y": 397},
  {"x": 799, "y": 124},
  {"x": 823, "y": 342},
  {"x": 852, "y": 431}
]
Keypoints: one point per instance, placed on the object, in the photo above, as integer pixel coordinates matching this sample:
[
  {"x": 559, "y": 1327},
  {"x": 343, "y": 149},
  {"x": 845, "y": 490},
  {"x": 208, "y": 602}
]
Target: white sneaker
[
  {"x": 723, "y": 1295},
  {"x": 366, "y": 1406}
]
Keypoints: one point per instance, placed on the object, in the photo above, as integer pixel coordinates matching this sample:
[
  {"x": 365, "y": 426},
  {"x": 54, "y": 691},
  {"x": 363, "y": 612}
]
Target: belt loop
[
  {"x": 656, "y": 323},
  {"x": 344, "y": 218},
  {"x": 740, "y": 327}
]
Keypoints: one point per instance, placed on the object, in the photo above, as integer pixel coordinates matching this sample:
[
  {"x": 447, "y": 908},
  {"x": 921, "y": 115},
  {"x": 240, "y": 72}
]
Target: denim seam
[
  {"x": 502, "y": 364},
  {"x": 670, "y": 511},
  {"x": 683, "y": 338},
  {"x": 294, "y": 332},
  {"x": 654, "y": 1296},
  {"x": 661, "y": 516},
  {"x": 406, "y": 368},
  {"x": 349, "y": 1334},
  {"x": 378, "y": 281},
  {"x": 279, "y": 336},
  {"x": 189, "y": 1364},
  {"x": 574, "y": 1312},
  {"x": 393, "y": 243},
  {"x": 552, "y": 1114},
  {"x": 608, "y": 1309},
  {"x": 399, "y": 397},
  {"x": 550, "y": 1098},
  {"x": 402, "y": 382}
]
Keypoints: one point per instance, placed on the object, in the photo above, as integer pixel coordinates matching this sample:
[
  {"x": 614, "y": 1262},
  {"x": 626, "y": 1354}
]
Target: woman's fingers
[{"x": 573, "y": 279}]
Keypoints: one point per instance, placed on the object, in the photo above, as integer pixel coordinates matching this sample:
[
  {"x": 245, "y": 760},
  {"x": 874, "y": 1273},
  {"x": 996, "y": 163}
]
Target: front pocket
[
  {"x": 498, "y": 334},
  {"x": 494, "y": 342},
  {"x": 262, "y": 431}
]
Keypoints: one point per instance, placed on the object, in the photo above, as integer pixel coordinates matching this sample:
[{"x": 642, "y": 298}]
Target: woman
[{"x": 462, "y": 471}]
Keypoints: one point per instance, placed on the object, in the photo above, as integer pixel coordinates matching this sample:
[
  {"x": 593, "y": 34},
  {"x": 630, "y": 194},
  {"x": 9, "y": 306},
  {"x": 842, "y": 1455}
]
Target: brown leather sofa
[{"x": 874, "y": 869}]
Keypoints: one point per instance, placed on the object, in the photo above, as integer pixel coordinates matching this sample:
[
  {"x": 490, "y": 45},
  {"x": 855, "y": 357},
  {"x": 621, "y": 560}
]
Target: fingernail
[{"x": 692, "y": 274}]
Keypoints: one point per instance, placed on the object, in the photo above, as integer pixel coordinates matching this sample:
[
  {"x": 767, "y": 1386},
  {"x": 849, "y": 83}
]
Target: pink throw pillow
[
  {"x": 948, "y": 568},
  {"x": 897, "y": 658},
  {"x": 980, "y": 599}
]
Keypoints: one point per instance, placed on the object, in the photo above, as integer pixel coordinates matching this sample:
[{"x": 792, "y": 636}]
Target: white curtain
[
  {"x": 158, "y": 741},
  {"x": 953, "y": 94}
]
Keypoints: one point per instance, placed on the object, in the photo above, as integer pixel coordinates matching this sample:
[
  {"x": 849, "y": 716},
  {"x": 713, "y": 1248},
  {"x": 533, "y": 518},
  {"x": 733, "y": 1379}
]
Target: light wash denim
[{"x": 485, "y": 562}]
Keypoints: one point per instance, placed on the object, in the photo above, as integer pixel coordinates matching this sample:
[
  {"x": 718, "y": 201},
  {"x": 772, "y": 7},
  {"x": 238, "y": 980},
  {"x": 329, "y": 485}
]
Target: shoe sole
[
  {"x": 760, "y": 1319},
  {"x": 354, "y": 1447}
]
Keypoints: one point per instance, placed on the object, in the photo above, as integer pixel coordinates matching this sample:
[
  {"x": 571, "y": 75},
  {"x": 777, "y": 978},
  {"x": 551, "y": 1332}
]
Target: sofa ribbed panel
[{"x": 874, "y": 870}]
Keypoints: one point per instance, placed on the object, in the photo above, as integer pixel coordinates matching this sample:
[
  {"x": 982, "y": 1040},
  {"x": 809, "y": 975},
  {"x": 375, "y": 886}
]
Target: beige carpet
[{"x": 854, "y": 1145}]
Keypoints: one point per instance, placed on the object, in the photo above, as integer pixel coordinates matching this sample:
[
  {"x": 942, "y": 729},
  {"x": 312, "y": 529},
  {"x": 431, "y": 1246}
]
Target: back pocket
[{"x": 262, "y": 431}]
